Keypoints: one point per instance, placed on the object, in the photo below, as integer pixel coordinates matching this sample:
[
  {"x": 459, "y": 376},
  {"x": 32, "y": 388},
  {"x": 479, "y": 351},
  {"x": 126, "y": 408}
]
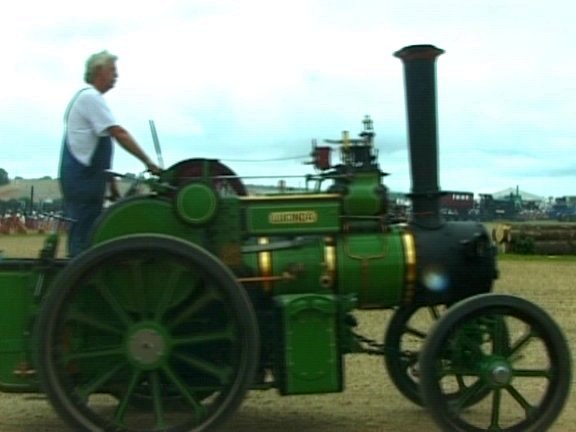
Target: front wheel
[
  {"x": 514, "y": 351},
  {"x": 146, "y": 333},
  {"x": 405, "y": 336}
]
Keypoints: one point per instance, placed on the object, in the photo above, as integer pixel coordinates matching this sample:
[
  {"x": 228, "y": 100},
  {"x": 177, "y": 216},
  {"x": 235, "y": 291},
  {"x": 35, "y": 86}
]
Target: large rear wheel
[{"x": 146, "y": 333}]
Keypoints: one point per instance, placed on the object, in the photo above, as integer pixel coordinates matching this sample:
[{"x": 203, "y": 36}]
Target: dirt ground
[{"x": 370, "y": 402}]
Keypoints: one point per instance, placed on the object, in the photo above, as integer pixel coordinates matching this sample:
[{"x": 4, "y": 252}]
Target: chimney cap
[{"x": 419, "y": 52}]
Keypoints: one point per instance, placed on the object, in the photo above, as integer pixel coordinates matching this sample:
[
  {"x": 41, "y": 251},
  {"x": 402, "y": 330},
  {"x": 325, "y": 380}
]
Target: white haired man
[{"x": 89, "y": 127}]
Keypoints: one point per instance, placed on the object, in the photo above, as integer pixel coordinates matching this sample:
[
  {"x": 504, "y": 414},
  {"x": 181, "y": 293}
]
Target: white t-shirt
[{"x": 88, "y": 120}]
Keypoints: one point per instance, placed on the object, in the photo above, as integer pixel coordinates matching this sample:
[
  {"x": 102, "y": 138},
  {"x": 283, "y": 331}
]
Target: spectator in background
[{"x": 89, "y": 127}]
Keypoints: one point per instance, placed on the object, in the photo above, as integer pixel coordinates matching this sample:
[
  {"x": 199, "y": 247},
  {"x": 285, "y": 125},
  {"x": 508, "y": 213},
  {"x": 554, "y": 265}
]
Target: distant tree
[
  {"x": 4, "y": 179},
  {"x": 46, "y": 178}
]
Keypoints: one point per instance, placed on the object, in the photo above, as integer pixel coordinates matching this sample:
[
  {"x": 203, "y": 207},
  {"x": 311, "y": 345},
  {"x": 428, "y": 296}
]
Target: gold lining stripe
[
  {"x": 330, "y": 260},
  {"x": 265, "y": 264},
  {"x": 410, "y": 264}
]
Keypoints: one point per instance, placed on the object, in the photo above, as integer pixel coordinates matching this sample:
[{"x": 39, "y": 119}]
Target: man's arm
[{"x": 131, "y": 146}]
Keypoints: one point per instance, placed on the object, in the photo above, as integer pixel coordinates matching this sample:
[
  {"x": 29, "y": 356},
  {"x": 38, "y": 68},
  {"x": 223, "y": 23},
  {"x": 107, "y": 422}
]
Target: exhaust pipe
[{"x": 420, "y": 86}]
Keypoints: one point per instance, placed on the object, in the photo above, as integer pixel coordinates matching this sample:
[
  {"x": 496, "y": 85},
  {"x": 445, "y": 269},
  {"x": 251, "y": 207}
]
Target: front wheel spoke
[
  {"x": 223, "y": 373},
  {"x": 532, "y": 373},
  {"x": 521, "y": 343},
  {"x": 528, "y": 408},
  {"x": 407, "y": 358},
  {"x": 495, "y": 416},
  {"x": 415, "y": 332},
  {"x": 98, "y": 381},
  {"x": 434, "y": 313},
  {"x": 500, "y": 335},
  {"x": 468, "y": 393}
]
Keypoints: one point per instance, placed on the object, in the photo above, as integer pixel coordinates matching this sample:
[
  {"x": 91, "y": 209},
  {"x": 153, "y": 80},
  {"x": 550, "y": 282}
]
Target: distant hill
[
  {"x": 44, "y": 189},
  {"x": 8, "y": 192}
]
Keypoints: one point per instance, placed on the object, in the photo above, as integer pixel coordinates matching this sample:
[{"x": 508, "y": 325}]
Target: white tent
[{"x": 515, "y": 191}]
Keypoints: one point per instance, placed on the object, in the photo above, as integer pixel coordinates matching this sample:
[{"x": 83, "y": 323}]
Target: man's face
[{"x": 107, "y": 76}]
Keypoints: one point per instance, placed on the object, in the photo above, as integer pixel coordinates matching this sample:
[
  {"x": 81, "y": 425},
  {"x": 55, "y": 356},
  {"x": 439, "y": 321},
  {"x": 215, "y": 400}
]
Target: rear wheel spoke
[
  {"x": 95, "y": 323},
  {"x": 221, "y": 372},
  {"x": 98, "y": 381},
  {"x": 198, "y": 408},
  {"x": 194, "y": 308},
  {"x": 115, "y": 306},
  {"x": 122, "y": 407},
  {"x": 139, "y": 287},
  {"x": 157, "y": 398},
  {"x": 174, "y": 278},
  {"x": 213, "y": 336},
  {"x": 93, "y": 354}
]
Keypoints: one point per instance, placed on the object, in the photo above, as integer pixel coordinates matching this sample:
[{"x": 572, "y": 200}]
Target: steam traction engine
[{"x": 190, "y": 297}]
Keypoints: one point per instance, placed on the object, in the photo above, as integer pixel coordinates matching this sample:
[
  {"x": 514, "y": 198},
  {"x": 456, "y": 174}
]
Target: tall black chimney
[{"x": 420, "y": 83}]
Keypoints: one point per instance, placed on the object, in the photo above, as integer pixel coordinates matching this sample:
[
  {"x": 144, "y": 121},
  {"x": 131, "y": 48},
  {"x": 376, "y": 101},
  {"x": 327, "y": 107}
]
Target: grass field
[
  {"x": 26, "y": 245},
  {"x": 370, "y": 403}
]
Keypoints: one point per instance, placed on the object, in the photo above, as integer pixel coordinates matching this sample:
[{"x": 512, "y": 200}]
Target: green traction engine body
[{"x": 307, "y": 260}]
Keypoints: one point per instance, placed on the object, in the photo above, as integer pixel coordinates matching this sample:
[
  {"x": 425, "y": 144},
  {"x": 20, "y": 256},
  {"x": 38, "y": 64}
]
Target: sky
[{"x": 253, "y": 82}]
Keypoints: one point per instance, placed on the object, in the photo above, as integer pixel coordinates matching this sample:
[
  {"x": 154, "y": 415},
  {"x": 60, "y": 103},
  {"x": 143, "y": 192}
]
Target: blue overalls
[{"x": 83, "y": 190}]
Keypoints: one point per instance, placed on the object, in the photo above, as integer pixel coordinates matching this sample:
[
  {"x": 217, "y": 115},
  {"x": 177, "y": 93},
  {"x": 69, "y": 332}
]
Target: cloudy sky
[{"x": 252, "y": 82}]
